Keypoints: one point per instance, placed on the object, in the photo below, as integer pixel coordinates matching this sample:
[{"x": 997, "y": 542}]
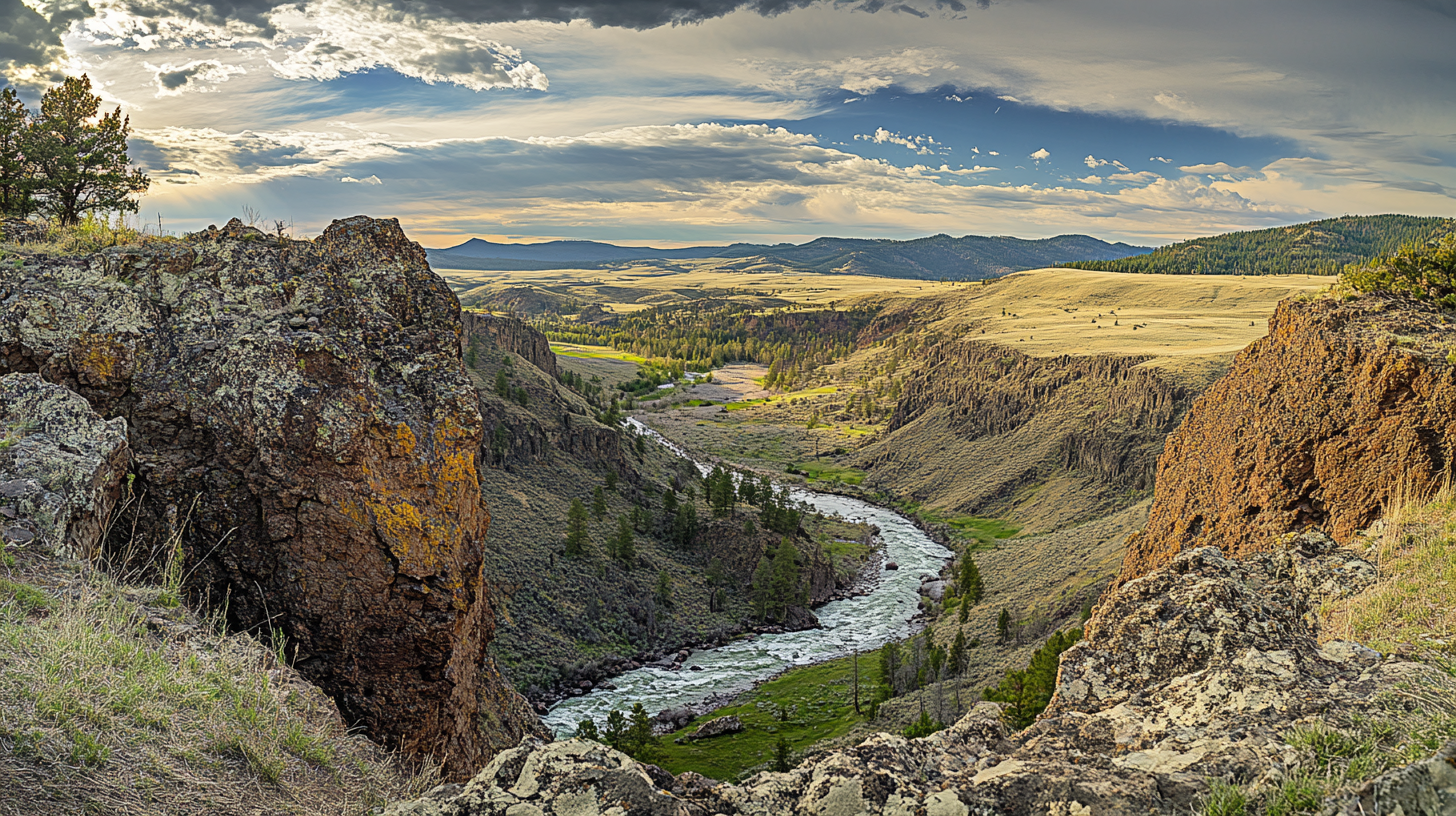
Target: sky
[{"x": 673, "y": 122}]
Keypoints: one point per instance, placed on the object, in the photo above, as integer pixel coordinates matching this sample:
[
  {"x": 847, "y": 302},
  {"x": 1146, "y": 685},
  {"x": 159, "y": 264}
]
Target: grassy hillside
[{"x": 1315, "y": 248}]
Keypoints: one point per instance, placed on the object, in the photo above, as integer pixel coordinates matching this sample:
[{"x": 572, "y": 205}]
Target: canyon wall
[
  {"x": 302, "y": 425},
  {"x": 1346, "y": 406}
]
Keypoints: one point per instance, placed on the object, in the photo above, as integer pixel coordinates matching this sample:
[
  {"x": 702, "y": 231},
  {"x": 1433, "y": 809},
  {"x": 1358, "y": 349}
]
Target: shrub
[{"x": 1425, "y": 272}]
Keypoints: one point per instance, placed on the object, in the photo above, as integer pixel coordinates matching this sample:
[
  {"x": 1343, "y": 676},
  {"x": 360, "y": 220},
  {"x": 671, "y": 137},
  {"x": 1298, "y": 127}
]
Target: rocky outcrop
[
  {"x": 300, "y": 418},
  {"x": 513, "y": 335},
  {"x": 1196, "y": 671},
  {"x": 62, "y": 468},
  {"x": 1344, "y": 406},
  {"x": 717, "y": 727},
  {"x": 979, "y": 423},
  {"x": 740, "y": 552}
]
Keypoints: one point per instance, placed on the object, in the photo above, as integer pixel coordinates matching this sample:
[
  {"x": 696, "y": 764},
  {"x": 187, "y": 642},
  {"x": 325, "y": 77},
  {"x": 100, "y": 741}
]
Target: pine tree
[
  {"x": 616, "y": 730},
  {"x": 576, "y": 528},
  {"x": 663, "y": 593},
  {"x": 17, "y": 182},
  {"x": 80, "y": 162},
  {"x": 685, "y": 526},
  {"x": 1003, "y": 625},
  {"x": 784, "y": 580},
  {"x": 960, "y": 657},
  {"x": 761, "y": 594},
  {"x": 626, "y": 547},
  {"x": 599, "y": 503},
  {"x": 612, "y": 480},
  {"x": 970, "y": 580},
  {"x": 502, "y": 385},
  {"x": 586, "y": 729},
  {"x": 641, "y": 743},
  {"x": 781, "y": 755}
]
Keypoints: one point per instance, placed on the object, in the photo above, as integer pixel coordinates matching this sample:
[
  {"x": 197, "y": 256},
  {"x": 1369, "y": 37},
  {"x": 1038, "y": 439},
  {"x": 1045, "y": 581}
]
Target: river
[{"x": 864, "y": 623}]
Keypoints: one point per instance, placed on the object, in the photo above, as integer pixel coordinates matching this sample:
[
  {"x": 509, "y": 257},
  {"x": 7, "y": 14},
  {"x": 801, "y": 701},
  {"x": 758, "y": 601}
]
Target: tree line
[
  {"x": 706, "y": 334},
  {"x": 67, "y": 159}
]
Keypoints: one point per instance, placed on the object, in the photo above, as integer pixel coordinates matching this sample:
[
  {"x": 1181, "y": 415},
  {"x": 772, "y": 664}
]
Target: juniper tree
[
  {"x": 970, "y": 580},
  {"x": 626, "y": 548},
  {"x": 502, "y": 385},
  {"x": 17, "y": 181},
  {"x": 663, "y": 593},
  {"x": 1003, "y": 625},
  {"x": 599, "y": 503}
]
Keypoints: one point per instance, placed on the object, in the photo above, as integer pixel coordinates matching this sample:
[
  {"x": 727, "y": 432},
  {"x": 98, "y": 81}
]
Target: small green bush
[{"x": 1224, "y": 799}]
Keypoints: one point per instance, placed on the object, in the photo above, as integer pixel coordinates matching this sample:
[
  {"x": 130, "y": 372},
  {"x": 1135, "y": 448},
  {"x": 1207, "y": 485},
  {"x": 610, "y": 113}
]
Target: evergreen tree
[
  {"x": 685, "y": 526},
  {"x": 576, "y": 528},
  {"x": 1003, "y": 625},
  {"x": 612, "y": 480},
  {"x": 616, "y": 730},
  {"x": 640, "y": 740},
  {"x": 748, "y": 528},
  {"x": 80, "y": 161},
  {"x": 586, "y": 729},
  {"x": 761, "y": 594},
  {"x": 965, "y": 611},
  {"x": 970, "y": 580},
  {"x": 1028, "y": 691},
  {"x": 669, "y": 505},
  {"x": 502, "y": 385},
  {"x": 781, "y": 755},
  {"x": 784, "y": 581},
  {"x": 17, "y": 181},
  {"x": 960, "y": 656},
  {"x": 663, "y": 593},
  {"x": 626, "y": 547},
  {"x": 599, "y": 503}
]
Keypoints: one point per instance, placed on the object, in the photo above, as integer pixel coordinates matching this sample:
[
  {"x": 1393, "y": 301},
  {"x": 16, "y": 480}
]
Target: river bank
[{"x": 852, "y": 624}]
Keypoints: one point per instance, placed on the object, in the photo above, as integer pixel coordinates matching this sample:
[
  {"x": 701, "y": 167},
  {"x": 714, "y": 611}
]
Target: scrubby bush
[{"x": 1423, "y": 271}]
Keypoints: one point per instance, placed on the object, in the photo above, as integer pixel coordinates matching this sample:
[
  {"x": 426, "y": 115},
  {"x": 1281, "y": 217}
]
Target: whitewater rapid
[{"x": 862, "y": 623}]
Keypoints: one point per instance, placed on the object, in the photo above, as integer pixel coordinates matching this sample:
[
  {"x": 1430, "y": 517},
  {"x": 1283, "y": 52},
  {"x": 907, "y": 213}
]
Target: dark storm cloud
[{"x": 29, "y": 39}]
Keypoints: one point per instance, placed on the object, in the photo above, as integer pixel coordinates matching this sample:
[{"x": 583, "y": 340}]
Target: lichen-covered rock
[
  {"x": 1195, "y": 671},
  {"x": 1343, "y": 406},
  {"x": 62, "y": 467},
  {"x": 300, "y": 417},
  {"x": 1426, "y": 788}
]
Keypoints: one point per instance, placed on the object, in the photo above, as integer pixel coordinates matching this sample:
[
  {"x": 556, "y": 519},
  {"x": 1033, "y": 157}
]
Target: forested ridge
[
  {"x": 704, "y": 336},
  {"x": 1314, "y": 248}
]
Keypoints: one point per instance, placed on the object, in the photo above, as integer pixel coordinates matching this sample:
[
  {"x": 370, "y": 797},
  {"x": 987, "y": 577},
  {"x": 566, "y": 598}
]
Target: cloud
[
  {"x": 175, "y": 80},
  {"x": 345, "y": 38},
  {"x": 1009, "y": 98},
  {"x": 1160, "y": 159},
  {"x": 1041, "y": 153},
  {"x": 367, "y": 180},
  {"x": 31, "y": 51},
  {"x": 1092, "y": 179},
  {"x": 858, "y": 74},
  {"x": 923, "y": 145},
  {"x": 1094, "y": 162},
  {"x": 1215, "y": 169}
]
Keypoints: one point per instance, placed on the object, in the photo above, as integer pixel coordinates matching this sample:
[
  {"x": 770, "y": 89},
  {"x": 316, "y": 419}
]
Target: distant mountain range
[
  {"x": 972, "y": 257},
  {"x": 1313, "y": 248}
]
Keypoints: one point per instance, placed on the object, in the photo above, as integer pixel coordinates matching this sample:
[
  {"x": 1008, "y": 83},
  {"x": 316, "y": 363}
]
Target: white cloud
[
  {"x": 1092, "y": 179},
  {"x": 1041, "y": 153},
  {"x": 958, "y": 98},
  {"x": 993, "y": 153},
  {"x": 175, "y": 80},
  {"x": 366, "y": 180},
  {"x": 923, "y": 145},
  {"x": 1094, "y": 162},
  {"x": 1009, "y": 98},
  {"x": 920, "y": 67},
  {"x": 1215, "y": 169},
  {"x": 1160, "y": 159}
]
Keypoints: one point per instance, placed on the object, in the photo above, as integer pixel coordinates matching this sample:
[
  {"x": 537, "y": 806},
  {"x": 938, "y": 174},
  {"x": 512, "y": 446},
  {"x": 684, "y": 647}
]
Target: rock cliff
[
  {"x": 513, "y": 335},
  {"x": 979, "y": 426},
  {"x": 300, "y": 420},
  {"x": 1344, "y": 406},
  {"x": 1199, "y": 670}
]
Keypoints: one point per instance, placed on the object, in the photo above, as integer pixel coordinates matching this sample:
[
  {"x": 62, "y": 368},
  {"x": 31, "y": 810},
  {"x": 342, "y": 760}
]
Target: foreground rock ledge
[
  {"x": 1192, "y": 672},
  {"x": 301, "y": 422}
]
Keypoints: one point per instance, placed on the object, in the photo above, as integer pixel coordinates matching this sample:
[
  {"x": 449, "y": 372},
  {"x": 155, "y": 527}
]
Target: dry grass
[
  {"x": 112, "y": 703},
  {"x": 1415, "y": 599}
]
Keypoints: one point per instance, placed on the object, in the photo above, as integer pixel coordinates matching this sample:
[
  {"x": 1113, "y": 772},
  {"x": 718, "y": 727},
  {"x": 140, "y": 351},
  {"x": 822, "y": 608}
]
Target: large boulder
[
  {"x": 62, "y": 467},
  {"x": 1345, "y": 406},
  {"x": 301, "y": 421}
]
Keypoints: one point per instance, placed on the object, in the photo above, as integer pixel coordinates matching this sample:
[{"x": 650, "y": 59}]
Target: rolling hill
[{"x": 1314, "y": 248}]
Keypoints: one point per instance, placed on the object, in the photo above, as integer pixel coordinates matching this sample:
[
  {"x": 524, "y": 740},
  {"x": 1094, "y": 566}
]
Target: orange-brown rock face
[
  {"x": 299, "y": 416},
  {"x": 1342, "y": 407}
]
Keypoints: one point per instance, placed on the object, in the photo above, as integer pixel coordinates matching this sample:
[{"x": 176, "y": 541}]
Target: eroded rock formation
[
  {"x": 1344, "y": 406},
  {"x": 1195, "y": 671},
  {"x": 62, "y": 467},
  {"x": 513, "y": 335},
  {"x": 300, "y": 418}
]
